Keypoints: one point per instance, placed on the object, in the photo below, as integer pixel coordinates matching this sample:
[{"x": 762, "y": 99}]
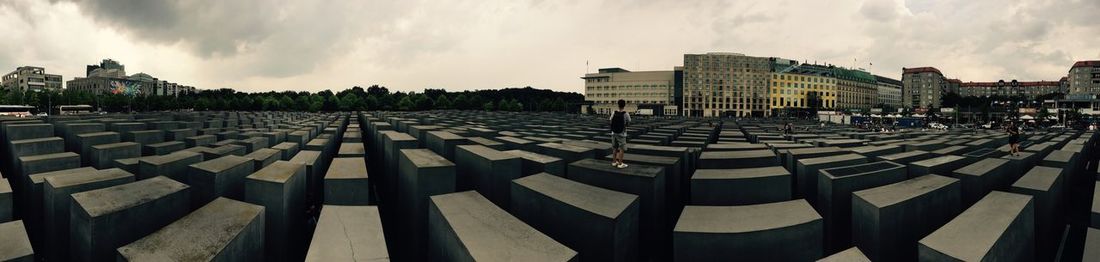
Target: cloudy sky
[{"x": 259, "y": 45}]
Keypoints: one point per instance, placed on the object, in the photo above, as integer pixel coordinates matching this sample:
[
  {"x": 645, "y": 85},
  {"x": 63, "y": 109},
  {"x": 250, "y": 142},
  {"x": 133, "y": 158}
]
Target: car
[{"x": 938, "y": 126}]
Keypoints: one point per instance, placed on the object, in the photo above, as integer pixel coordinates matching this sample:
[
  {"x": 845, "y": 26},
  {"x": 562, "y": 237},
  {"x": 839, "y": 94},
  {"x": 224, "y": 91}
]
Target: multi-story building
[
  {"x": 1027, "y": 89},
  {"x": 652, "y": 90},
  {"x": 726, "y": 84},
  {"x": 109, "y": 76},
  {"x": 800, "y": 87},
  {"x": 856, "y": 89},
  {"x": 1084, "y": 78},
  {"x": 922, "y": 87},
  {"x": 887, "y": 93},
  {"x": 26, "y": 78}
]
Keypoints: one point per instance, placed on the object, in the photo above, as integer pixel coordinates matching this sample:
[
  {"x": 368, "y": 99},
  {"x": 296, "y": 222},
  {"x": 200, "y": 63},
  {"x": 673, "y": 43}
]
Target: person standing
[
  {"x": 1013, "y": 138},
  {"x": 619, "y": 119},
  {"x": 788, "y": 129}
]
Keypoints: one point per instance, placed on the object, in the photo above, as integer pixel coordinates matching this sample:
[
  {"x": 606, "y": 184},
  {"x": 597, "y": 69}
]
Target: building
[
  {"x": 26, "y": 78},
  {"x": 856, "y": 89},
  {"x": 922, "y": 87},
  {"x": 1027, "y": 89},
  {"x": 888, "y": 92},
  {"x": 1084, "y": 78},
  {"x": 795, "y": 88},
  {"x": 726, "y": 84},
  {"x": 651, "y": 91},
  {"x": 109, "y": 76}
]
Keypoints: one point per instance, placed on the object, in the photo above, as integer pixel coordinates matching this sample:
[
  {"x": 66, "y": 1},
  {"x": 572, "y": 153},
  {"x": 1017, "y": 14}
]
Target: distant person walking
[
  {"x": 787, "y": 129},
  {"x": 619, "y": 120},
  {"x": 1013, "y": 138}
]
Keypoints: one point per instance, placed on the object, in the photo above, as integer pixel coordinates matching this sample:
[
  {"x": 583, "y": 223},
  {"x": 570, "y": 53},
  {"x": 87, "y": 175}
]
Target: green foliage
[
  {"x": 488, "y": 106},
  {"x": 406, "y": 104}
]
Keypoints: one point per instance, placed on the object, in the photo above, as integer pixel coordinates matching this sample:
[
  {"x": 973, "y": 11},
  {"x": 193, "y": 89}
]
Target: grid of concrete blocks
[{"x": 507, "y": 186}]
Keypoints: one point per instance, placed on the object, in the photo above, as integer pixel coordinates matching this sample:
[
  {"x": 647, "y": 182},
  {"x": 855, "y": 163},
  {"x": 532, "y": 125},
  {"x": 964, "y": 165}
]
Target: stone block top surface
[
  {"x": 222, "y": 163},
  {"x": 603, "y": 202},
  {"x": 108, "y": 200},
  {"x": 740, "y": 173},
  {"x": 747, "y": 218},
  {"x": 425, "y": 158},
  {"x": 491, "y": 234},
  {"x": 347, "y": 168},
  {"x": 199, "y": 236},
  {"x": 973, "y": 232},
  {"x": 891, "y": 194}
]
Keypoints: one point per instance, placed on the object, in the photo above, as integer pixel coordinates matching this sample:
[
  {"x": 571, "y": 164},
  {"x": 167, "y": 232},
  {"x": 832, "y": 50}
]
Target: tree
[
  {"x": 423, "y": 102},
  {"x": 461, "y": 102},
  {"x": 442, "y": 102},
  {"x": 488, "y": 106},
  {"x": 371, "y": 103},
  {"x": 405, "y": 104}
]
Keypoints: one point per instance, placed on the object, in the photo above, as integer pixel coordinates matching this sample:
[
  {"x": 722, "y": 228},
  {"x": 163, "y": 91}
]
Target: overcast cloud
[{"x": 260, "y": 45}]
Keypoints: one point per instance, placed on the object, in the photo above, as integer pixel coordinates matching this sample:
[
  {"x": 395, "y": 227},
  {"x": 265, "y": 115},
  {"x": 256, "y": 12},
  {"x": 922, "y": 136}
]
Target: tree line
[{"x": 352, "y": 99}]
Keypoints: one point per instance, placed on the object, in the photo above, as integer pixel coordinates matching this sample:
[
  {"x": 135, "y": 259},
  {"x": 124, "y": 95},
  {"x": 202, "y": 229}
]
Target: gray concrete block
[
  {"x": 103, "y": 156},
  {"x": 515, "y": 143},
  {"x": 315, "y": 171},
  {"x": 647, "y": 182},
  {"x": 84, "y": 143},
  {"x": 57, "y": 203},
  {"x": 981, "y": 177},
  {"x": 737, "y": 159},
  {"x": 221, "y": 177},
  {"x": 223, "y": 230},
  {"x": 201, "y": 140},
  {"x": 942, "y": 165},
  {"x": 29, "y": 165},
  {"x": 263, "y": 157},
  {"x": 287, "y": 150},
  {"x": 423, "y": 174},
  {"x": 883, "y": 222},
  {"x": 600, "y": 224},
  {"x": 160, "y": 149},
  {"x": 806, "y": 172},
  {"x": 849, "y": 255},
  {"x": 351, "y": 150},
  {"x": 348, "y": 233},
  {"x": 144, "y": 136},
  {"x": 347, "y": 183},
  {"x": 36, "y": 146},
  {"x": 468, "y": 227},
  {"x": 742, "y": 186},
  {"x": 172, "y": 165},
  {"x": 28, "y": 131},
  {"x": 392, "y": 143},
  {"x": 834, "y": 196},
  {"x": 782, "y": 231},
  {"x": 488, "y": 171},
  {"x": 16, "y": 245},
  {"x": 179, "y": 134},
  {"x": 567, "y": 153},
  {"x": 1045, "y": 186},
  {"x": 7, "y": 201},
  {"x": 874, "y": 151},
  {"x": 223, "y": 150},
  {"x": 252, "y": 144},
  {"x": 999, "y": 227},
  {"x": 789, "y": 158},
  {"x": 32, "y": 199},
  {"x": 143, "y": 206},
  {"x": 1019, "y": 164},
  {"x": 281, "y": 189},
  {"x": 534, "y": 163},
  {"x": 443, "y": 143},
  {"x": 907, "y": 157}
]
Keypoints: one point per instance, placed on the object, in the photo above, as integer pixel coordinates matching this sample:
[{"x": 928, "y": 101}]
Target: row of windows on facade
[{"x": 627, "y": 87}]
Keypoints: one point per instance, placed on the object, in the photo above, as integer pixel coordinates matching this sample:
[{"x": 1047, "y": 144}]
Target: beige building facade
[
  {"x": 726, "y": 84},
  {"x": 649, "y": 90}
]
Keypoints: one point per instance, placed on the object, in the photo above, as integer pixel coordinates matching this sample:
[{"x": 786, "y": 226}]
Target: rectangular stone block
[
  {"x": 737, "y": 159},
  {"x": 287, "y": 150},
  {"x": 29, "y": 165},
  {"x": 7, "y": 201},
  {"x": 806, "y": 172},
  {"x": 601, "y": 224},
  {"x": 942, "y": 165},
  {"x": 200, "y": 140},
  {"x": 905, "y": 158},
  {"x": 252, "y": 144},
  {"x": 220, "y": 177},
  {"x": 393, "y": 142},
  {"x": 834, "y": 195},
  {"x": 999, "y": 227},
  {"x": 351, "y": 150},
  {"x": 315, "y": 170},
  {"x": 534, "y": 163},
  {"x": 58, "y": 202},
  {"x": 172, "y": 165},
  {"x": 443, "y": 143},
  {"x": 488, "y": 171},
  {"x": 647, "y": 182},
  {"x": 515, "y": 143},
  {"x": 467, "y": 227},
  {"x": 567, "y": 153},
  {"x": 883, "y": 224},
  {"x": 143, "y": 207},
  {"x": 179, "y": 134},
  {"x": 348, "y": 233},
  {"x": 103, "y": 156},
  {"x": 223, "y": 230},
  {"x": 84, "y": 143},
  {"x": 782, "y": 231},
  {"x": 28, "y": 131},
  {"x": 346, "y": 182},
  {"x": 223, "y": 150},
  {"x": 1019, "y": 164},
  {"x": 160, "y": 149},
  {"x": 281, "y": 189},
  {"x": 423, "y": 174},
  {"x": 36, "y": 146},
  {"x": 982, "y": 177},
  {"x": 789, "y": 158},
  {"x": 144, "y": 137},
  {"x": 849, "y": 255},
  {"x": 742, "y": 186},
  {"x": 263, "y": 157},
  {"x": 16, "y": 245},
  {"x": 1045, "y": 186},
  {"x": 32, "y": 199}
]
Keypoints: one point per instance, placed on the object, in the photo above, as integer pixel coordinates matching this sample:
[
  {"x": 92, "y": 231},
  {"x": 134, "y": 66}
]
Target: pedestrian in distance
[{"x": 1013, "y": 138}]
